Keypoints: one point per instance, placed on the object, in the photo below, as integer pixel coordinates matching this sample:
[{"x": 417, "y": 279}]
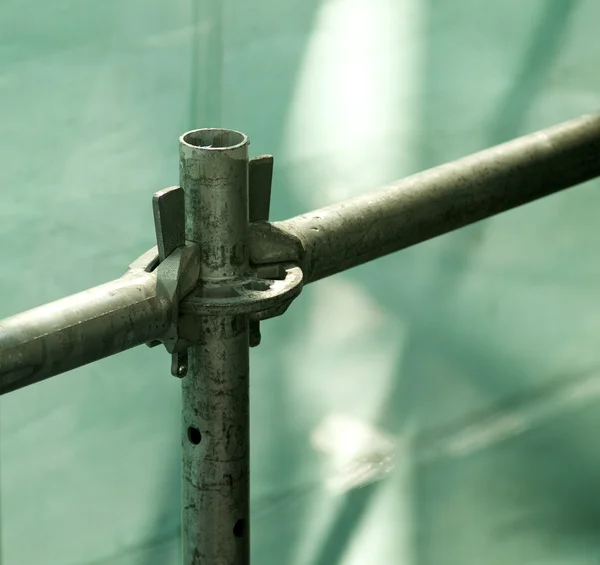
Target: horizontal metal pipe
[
  {"x": 445, "y": 198},
  {"x": 79, "y": 329}
]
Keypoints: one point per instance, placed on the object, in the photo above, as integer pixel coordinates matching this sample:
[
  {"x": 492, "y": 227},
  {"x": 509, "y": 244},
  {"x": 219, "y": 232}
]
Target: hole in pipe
[
  {"x": 214, "y": 138},
  {"x": 239, "y": 528},
  {"x": 194, "y": 435}
]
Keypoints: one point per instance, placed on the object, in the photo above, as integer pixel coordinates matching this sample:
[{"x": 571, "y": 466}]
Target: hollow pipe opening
[{"x": 214, "y": 139}]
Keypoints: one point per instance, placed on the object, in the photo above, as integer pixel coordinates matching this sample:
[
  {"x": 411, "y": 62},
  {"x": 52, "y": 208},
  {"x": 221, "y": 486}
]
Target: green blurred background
[{"x": 457, "y": 383}]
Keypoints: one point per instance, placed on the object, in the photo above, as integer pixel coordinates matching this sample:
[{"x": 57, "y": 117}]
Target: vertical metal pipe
[
  {"x": 214, "y": 177},
  {"x": 216, "y": 443}
]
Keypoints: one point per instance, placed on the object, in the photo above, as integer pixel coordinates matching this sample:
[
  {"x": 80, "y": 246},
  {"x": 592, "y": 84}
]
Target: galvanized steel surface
[
  {"x": 436, "y": 201},
  {"x": 214, "y": 176},
  {"x": 215, "y": 399},
  {"x": 82, "y": 328},
  {"x": 216, "y": 445}
]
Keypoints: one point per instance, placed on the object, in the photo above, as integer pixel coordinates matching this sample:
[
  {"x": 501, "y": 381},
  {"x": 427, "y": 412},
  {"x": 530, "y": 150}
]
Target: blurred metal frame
[{"x": 220, "y": 268}]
